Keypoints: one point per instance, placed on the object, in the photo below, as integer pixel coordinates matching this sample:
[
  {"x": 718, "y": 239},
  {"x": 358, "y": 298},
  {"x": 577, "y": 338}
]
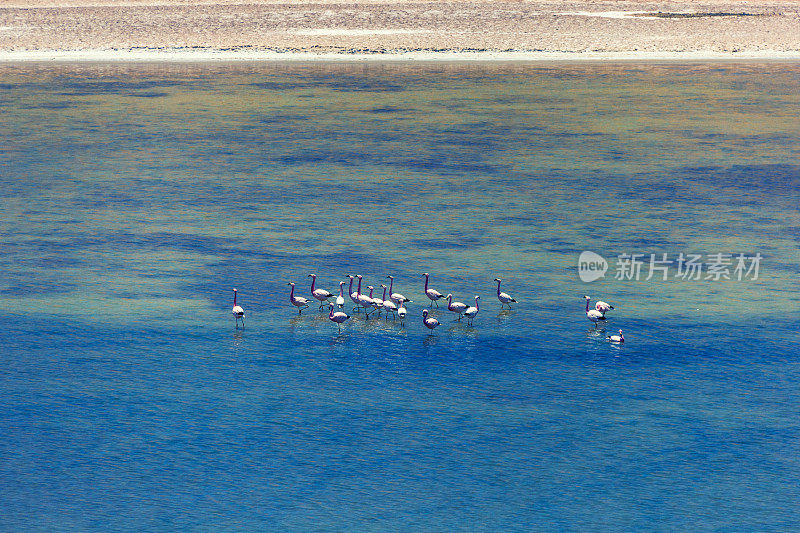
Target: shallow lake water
[{"x": 135, "y": 197}]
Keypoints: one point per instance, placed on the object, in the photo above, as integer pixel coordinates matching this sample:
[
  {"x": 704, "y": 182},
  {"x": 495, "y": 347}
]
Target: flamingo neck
[
  {"x": 478, "y": 307},
  {"x": 330, "y": 313},
  {"x": 391, "y": 284},
  {"x": 426, "y": 283},
  {"x": 313, "y": 282},
  {"x": 384, "y": 293},
  {"x": 359, "y": 287},
  {"x": 498, "y": 288},
  {"x": 371, "y": 291},
  {"x": 587, "y": 305},
  {"x": 341, "y": 289},
  {"x": 234, "y": 298},
  {"x": 350, "y": 290}
]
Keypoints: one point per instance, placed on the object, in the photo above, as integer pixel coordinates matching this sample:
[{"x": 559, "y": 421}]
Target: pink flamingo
[
  {"x": 456, "y": 307},
  {"x": 388, "y": 305},
  {"x": 504, "y": 298},
  {"x": 298, "y": 301},
  {"x": 430, "y": 323},
  {"x": 617, "y": 338},
  {"x": 320, "y": 294},
  {"x": 396, "y": 297},
  {"x": 593, "y": 314},
  {"x": 338, "y": 316},
  {"x": 432, "y": 294},
  {"x": 353, "y": 295},
  {"x": 376, "y": 303},
  {"x": 471, "y": 312},
  {"x": 363, "y": 300},
  {"x": 237, "y": 310},
  {"x": 603, "y": 307},
  {"x": 340, "y": 298}
]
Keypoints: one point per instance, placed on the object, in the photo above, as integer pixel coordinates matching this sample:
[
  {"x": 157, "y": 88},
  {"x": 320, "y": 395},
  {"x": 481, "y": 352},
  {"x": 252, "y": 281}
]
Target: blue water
[{"x": 135, "y": 197}]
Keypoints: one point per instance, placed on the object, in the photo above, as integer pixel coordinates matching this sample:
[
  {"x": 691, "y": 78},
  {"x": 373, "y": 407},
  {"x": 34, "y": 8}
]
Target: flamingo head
[
  {"x": 449, "y": 297},
  {"x": 390, "y": 277},
  {"x": 477, "y": 297},
  {"x": 370, "y": 287},
  {"x": 587, "y": 297},
  {"x": 425, "y": 275},
  {"x": 620, "y": 333},
  {"x": 341, "y": 283},
  {"x": 424, "y": 313},
  {"x": 611, "y": 307},
  {"x": 311, "y": 276},
  {"x": 290, "y": 283},
  {"x": 234, "y": 290},
  {"x": 498, "y": 280},
  {"x": 359, "y": 276},
  {"x": 382, "y": 285}
]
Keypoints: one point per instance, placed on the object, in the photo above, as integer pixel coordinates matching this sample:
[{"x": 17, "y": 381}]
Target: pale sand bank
[{"x": 535, "y": 30}]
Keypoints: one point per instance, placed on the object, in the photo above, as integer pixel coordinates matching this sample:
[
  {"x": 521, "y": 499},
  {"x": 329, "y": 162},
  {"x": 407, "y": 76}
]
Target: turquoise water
[{"x": 135, "y": 197}]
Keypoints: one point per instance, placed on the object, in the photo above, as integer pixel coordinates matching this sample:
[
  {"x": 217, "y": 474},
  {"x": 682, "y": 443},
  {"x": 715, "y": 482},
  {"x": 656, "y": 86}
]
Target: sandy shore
[{"x": 200, "y": 30}]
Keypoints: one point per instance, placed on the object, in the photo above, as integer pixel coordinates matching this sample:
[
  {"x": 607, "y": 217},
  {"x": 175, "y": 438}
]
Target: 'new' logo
[{"x": 591, "y": 266}]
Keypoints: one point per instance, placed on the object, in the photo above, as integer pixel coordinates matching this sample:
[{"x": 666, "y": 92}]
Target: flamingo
[
  {"x": 617, "y": 338},
  {"x": 363, "y": 300},
  {"x": 401, "y": 312},
  {"x": 320, "y": 294},
  {"x": 456, "y": 307},
  {"x": 504, "y": 298},
  {"x": 338, "y": 316},
  {"x": 340, "y": 298},
  {"x": 237, "y": 310},
  {"x": 472, "y": 311},
  {"x": 603, "y": 307},
  {"x": 353, "y": 295},
  {"x": 593, "y": 314},
  {"x": 430, "y": 323},
  {"x": 396, "y": 297},
  {"x": 388, "y": 305},
  {"x": 376, "y": 303},
  {"x": 432, "y": 294},
  {"x": 298, "y": 301}
]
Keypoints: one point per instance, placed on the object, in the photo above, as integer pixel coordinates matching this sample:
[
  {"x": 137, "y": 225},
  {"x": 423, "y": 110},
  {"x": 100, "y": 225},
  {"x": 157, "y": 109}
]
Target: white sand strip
[{"x": 194, "y": 55}]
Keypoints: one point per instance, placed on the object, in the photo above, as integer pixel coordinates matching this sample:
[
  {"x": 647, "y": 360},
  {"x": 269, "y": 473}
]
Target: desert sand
[{"x": 391, "y": 29}]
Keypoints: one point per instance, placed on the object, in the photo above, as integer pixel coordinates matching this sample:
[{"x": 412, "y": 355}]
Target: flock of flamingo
[{"x": 395, "y": 304}]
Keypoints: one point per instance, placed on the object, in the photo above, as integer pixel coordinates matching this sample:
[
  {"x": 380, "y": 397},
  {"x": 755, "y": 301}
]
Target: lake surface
[{"x": 135, "y": 197}]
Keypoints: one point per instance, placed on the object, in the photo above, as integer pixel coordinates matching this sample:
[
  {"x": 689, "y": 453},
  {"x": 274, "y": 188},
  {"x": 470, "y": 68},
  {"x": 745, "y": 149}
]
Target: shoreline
[{"x": 248, "y": 55}]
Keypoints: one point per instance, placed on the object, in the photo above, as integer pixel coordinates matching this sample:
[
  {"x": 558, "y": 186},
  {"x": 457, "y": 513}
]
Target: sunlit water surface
[{"x": 135, "y": 197}]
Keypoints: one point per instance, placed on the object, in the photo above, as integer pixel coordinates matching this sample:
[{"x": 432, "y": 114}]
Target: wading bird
[
  {"x": 388, "y": 305},
  {"x": 471, "y": 312},
  {"x": 237, "y": 310},
  {"x": 603, "y": 307},
  {"x": 401, "y": 312},
  {"x": 616, "y": 338},
  {"x": 338, "y": 316},
  {"x": 340, "y": 298},
  {"x": 298, "y": 301},
  {"x": 593, "y": 314},
  {"x": 504, "y": 298},
  {"x": 432, "y": 294},
  {"x": 396, "y": 297},
  {"x": 320, "y": 294},
  {"x": 430, "y": 323},
  {"x": 456, "y": 307}
]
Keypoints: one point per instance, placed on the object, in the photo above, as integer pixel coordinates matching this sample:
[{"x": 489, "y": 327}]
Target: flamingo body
[
  {"x": 237, "y": 310},
  {"x": 298, "y": 301},
  {"x": 456, "y": 307},
  {"x": 504, "y": 298},
  {"x": 432, "y": 294},
  {"x": 430, "y": 322},
  {"x": 617, "y": 338},
  {"x": 472, "y": 311},
  {"x": 338, "y": 316}
]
